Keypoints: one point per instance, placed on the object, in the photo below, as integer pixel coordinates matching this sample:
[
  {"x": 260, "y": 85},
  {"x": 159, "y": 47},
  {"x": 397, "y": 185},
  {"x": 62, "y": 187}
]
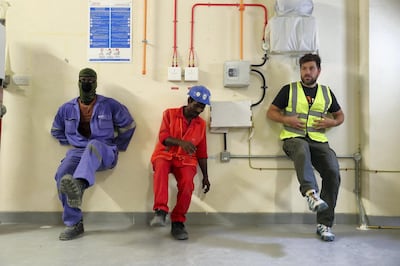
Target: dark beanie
[{"x": 87, "y": 72}]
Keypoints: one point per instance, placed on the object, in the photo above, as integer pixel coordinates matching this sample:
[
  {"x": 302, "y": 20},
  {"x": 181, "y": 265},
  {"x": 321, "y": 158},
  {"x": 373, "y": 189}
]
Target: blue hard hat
[{"x": 200, "y": 94}]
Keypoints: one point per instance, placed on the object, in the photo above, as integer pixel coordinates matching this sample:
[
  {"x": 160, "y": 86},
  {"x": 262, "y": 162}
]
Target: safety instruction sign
[{"x": 110, "y": 31}]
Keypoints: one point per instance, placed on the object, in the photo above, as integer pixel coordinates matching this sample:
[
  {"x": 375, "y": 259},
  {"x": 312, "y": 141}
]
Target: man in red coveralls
[{"x": 181, "y": 145}]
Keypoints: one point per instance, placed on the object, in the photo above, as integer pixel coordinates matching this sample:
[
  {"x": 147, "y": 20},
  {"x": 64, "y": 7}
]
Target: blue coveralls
[{"x": 97, "y": 153}]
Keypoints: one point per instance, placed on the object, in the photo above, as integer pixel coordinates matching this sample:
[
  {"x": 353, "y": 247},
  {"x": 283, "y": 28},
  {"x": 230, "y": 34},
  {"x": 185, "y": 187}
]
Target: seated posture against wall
[
  {"x": 180, "y": 147},
  {"x": 96, "y": 127},
  {"x": 306, "y": 109}
]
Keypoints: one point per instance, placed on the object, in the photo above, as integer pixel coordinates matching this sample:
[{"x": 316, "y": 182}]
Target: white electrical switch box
[
  {"x": 236, "y": 74},
  {"x": 191, "y": 73},
  {"x": 174, "y": 73},
  {"x": 230, "y": 114},
  {"x": 21, "y": 80}
]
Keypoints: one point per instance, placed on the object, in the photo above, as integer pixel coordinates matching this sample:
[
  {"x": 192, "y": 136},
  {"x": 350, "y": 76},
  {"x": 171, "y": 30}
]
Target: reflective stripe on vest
[{"x": 298, "y": 105}]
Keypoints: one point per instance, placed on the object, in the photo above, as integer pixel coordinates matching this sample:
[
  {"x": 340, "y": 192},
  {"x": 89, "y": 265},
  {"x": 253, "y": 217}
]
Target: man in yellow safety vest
[{"x": 306, "y": 109}]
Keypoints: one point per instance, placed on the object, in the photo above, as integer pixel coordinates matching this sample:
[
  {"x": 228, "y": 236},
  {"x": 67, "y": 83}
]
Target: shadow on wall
[
  {"x": 131, "y": 173},
  {"x": 28, "y": 163},
  {"x": 29, "y": 143}
]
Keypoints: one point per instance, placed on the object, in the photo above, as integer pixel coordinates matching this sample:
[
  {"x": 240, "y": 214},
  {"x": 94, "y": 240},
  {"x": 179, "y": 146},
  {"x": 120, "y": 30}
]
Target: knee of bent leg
[
  {"x": 93, "y": 142},
  {"x": 333, "y": 175},
  {"x": 186, "y": 186}
]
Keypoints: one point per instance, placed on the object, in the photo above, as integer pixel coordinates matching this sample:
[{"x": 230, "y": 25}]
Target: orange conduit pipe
[
  {"x": 241, "y": 9},
  {"x": 241, "y": 5},
  {"x": 144, "y": 38}
]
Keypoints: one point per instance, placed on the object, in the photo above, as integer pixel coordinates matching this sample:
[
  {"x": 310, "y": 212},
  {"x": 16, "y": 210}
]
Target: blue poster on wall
[{"x": 110, "y": 31}]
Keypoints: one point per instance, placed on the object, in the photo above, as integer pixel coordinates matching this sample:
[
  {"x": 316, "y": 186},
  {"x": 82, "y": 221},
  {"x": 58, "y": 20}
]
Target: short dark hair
[{"x": 309, "y": 58}]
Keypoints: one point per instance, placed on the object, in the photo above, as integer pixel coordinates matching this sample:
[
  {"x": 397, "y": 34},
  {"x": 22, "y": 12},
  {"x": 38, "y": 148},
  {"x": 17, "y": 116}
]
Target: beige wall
[
  {"x": 379, "y": 93},
  {"x": 47, "y": 40}
]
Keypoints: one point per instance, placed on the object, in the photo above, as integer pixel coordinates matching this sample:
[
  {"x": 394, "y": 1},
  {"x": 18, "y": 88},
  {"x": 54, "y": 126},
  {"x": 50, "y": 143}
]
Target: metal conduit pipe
[
  {"x": 356, "y": 157},
  {"x": 357, "y": 191}
]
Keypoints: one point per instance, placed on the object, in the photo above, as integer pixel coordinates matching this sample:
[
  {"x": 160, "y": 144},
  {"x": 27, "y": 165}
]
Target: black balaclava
[{"x": 87, "y": 90}]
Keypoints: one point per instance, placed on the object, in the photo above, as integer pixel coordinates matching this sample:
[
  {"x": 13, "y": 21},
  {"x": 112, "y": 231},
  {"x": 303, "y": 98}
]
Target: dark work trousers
[{"x": 308, "y": 155}]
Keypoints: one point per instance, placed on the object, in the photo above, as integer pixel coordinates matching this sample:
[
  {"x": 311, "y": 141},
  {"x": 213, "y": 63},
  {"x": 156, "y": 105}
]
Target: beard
[{"x": 308, "y": 81}]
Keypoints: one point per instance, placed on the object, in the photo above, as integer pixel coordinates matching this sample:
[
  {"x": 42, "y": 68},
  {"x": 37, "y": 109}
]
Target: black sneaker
[
  {"x": 72, "y": 232},
  {"x": 178, "y": 231},
  {"x": 159, "y": 218},
  {"x": 73, "y": 188}
]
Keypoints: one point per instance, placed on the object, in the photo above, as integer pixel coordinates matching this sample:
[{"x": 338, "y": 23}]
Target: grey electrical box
[
  {"x": 236, "y": 74},
  {"x": 230, "y": 114},
  {"x": 225, "y": 156}
]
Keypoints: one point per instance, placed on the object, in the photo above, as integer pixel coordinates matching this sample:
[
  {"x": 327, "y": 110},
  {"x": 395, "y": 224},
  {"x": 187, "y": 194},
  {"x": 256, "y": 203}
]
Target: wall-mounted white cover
[
  {"x": 225, "y": 114},
  {"x": 291, "y": 34},
  {"x": 294, "y": 7}
]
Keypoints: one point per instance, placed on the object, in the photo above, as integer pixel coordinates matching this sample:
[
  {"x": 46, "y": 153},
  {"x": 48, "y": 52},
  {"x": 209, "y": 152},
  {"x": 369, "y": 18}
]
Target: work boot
[
  {"x": 73, "y": 188},
  {"x": 315, "y": 203},
  {"x": 178, "y": 231},
  {"x": 159, "y": 218},
  {"x": 325, "y": 232},
  {"x": 72, "y": 232}
]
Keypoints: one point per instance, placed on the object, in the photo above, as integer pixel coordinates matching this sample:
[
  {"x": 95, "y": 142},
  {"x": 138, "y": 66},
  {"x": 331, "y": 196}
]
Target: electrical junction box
[
  {"x": 236, "y": 74},
  {"x": 225, "y": 156},
  {"x": 191, "y": 73},
  {"x": 227, "y": 114},
  {"x": 174, "y": 74}
]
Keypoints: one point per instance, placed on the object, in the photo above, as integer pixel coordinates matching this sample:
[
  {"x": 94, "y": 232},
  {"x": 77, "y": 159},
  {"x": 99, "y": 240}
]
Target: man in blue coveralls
[{"x": 97, "y": 127}]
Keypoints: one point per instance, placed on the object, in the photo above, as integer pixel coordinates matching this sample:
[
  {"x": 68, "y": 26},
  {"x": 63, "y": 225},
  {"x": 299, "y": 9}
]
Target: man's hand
[
  {"x": 187, "y": 146},
  {"x": 327, "y": 122},
  {"x": 206, "y": 185},
  {"x": 324, "y": 122},
  {"x": 294, "y": 122}
]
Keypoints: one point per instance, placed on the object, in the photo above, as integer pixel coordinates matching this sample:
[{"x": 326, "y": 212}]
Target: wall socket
[
  {"x": 191, "y": 73},
  {"x": 174, "y": 74}
]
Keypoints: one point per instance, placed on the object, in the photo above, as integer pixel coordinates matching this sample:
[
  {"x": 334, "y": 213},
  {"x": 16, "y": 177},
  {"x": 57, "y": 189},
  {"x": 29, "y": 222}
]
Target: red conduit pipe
[
  {"x": 191, "y": 51},
  {"x": 175, "y": 50},
  {"x": 144, "y": 38}
]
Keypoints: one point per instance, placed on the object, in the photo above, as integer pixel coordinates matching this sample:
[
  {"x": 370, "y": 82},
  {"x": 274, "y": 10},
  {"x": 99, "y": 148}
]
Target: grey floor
[{"x": 119, "y": 244}]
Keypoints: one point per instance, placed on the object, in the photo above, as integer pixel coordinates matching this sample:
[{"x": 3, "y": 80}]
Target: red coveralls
[{"x": 173, "y": 159}]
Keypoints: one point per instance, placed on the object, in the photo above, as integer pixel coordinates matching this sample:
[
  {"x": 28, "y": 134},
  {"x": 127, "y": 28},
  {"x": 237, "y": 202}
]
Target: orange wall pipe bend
[{"x": 241, "y": 8}]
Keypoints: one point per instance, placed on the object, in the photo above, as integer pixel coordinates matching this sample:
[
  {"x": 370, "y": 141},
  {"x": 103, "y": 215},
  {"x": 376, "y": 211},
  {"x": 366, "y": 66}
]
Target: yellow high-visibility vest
[{"x": 298, "y": 105}]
